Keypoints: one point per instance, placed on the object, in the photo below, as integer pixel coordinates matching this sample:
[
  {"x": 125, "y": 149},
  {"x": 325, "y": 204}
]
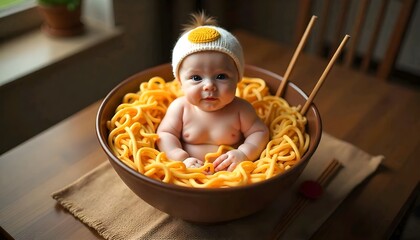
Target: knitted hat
[{"x": 207, "y": 38}]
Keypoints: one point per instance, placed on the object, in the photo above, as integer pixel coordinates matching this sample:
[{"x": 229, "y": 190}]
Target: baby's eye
[
  {"x": 221, "y": 76},
  {"x": 196, "y": 78}
]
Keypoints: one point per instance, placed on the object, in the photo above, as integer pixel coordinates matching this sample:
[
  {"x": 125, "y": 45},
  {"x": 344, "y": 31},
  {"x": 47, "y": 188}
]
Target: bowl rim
[{"x": 173, "y": 187}]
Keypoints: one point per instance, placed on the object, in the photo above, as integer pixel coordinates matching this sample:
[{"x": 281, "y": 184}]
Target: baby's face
[{"x": 209, "y": 79}]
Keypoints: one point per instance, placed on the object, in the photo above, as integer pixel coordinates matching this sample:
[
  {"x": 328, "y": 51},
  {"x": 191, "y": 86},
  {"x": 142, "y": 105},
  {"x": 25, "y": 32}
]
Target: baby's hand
[
  {"x": 193, "y": 162},
  {"x": 229, "y": 160}
]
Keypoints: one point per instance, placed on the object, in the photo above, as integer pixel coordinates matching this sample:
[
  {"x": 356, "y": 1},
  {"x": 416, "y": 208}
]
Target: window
[
  {"x": 17, "y": 16},
  {"x": 8, "y": 7}
]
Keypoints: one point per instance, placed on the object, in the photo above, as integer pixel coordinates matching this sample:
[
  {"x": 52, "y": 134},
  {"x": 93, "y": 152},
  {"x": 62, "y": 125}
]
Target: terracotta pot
[{"x": 60, "y": 21}]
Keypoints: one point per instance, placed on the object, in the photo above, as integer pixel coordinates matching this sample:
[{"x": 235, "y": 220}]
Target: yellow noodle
[{"x": 133, "y": 135}]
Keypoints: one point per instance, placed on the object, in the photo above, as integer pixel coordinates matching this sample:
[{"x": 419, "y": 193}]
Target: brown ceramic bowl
[{"x": 205, "y": 205}]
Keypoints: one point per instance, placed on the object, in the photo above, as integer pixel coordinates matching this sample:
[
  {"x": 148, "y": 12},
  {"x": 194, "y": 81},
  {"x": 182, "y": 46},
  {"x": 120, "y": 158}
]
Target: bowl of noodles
[{"x": 126, "y": 126}]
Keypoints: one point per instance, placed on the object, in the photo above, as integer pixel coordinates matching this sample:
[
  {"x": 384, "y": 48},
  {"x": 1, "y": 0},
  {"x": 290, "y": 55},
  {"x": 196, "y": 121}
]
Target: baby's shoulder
[
  {"x": 241, "y": 103},
  {"x": 244, "y": 108},
  {"x": 179, "y": 101},
  {"x": 177, "y": 104}
]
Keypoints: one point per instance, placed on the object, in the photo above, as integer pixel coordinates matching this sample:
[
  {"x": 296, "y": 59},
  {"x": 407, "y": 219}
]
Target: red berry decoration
[{"x": 311, "y": 189}]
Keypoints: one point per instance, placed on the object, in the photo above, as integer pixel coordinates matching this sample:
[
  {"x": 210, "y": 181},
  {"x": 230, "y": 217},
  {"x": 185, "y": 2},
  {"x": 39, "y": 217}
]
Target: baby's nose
[{"x": 209, "y": 86}]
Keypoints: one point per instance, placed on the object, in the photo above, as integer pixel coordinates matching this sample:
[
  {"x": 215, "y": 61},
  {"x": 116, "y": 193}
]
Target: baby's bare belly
[
  {"x": 197, "y": 142},
  {"x": 199, "y": 150}
]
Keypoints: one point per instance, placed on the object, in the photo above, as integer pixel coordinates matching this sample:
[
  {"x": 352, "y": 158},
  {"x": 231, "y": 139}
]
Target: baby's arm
[
  {"x": 169, "y": 132},
  {"x": 256, "y": 137},
  {"x": 255, "y": 132}
]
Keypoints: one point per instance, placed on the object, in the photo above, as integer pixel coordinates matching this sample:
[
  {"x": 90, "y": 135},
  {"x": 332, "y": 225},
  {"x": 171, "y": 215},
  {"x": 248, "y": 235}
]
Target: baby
[{"x": 208, "y": 62}]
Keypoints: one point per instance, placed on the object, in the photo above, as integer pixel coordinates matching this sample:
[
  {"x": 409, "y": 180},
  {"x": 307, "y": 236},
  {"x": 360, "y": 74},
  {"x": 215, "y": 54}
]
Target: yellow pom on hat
[
  {"x": 203, "y": 35},
  {"x": 207, "y": 38}
]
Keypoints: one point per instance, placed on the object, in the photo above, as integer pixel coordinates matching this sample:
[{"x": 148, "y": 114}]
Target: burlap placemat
[{"x": 102, "y": 201}]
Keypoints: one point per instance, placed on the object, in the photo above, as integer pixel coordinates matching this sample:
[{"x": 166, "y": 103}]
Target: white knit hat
[{"x": 207, "y": 38}]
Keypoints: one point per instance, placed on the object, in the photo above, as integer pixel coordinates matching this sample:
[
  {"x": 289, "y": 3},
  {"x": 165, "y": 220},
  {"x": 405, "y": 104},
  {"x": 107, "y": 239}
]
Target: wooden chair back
[{"x": 335, "y": 20}]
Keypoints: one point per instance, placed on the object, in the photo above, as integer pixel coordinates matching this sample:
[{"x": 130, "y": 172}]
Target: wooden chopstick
[
  {"x": 299, "y": 48},
  {"x": 324, "y": 75},
  {"x": 287, "y": 219},
  {"x": 301, "y": 202},
  {"x": 329, "y": 172}
]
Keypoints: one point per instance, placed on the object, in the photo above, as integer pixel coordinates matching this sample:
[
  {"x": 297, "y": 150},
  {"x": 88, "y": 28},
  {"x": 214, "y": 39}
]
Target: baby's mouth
[{"x": 210, "y": 99}]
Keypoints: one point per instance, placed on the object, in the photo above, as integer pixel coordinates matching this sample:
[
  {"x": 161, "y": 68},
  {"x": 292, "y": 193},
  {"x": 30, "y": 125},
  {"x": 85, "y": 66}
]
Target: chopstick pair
[
  {"x": 324, "y": 75},
  {"x": 305, "y": 197}
]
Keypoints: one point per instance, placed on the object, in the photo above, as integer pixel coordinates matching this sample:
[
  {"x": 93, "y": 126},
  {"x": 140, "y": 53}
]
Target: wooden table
[{"x": 378, "y": 116}]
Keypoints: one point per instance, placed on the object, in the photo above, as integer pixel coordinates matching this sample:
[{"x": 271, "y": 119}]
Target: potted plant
[{"x": 61, "y": 17}]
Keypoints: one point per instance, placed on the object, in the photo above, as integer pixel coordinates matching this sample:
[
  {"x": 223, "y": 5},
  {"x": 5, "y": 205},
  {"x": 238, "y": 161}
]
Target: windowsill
[{"x": 35, "y": 50}]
